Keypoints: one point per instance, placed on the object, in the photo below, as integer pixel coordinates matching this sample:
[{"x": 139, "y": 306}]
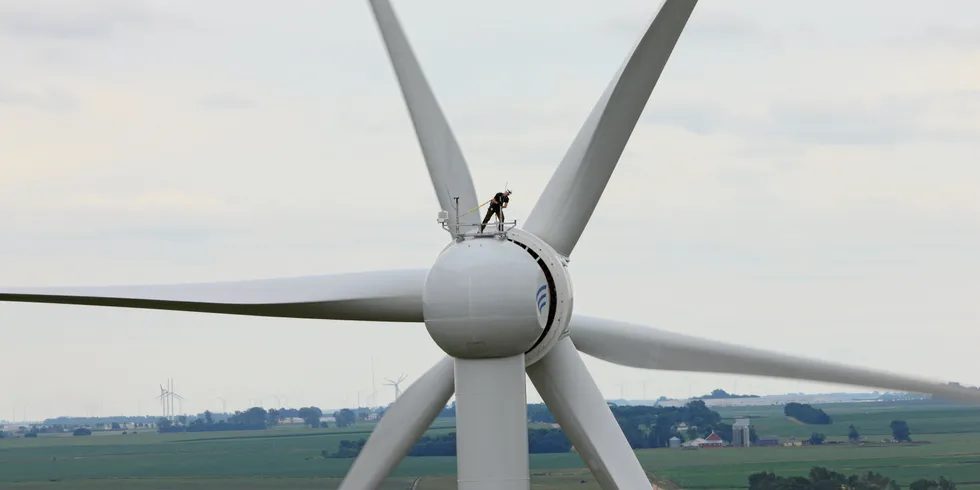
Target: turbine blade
[
  {"x": 639, "y": 346},
  {"x": 491, "y": 423},
  {"x": 571, "y": 196},
  {"x": 381, "y": 296},
  {"x": 572, "y": 396},
  {"x": 401, "y": 427},
  {"x": 448, "y": 170}
]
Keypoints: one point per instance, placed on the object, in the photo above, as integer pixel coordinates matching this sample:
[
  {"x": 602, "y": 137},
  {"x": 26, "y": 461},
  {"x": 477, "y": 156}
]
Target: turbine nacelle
[{"x": 495, "y": 296}]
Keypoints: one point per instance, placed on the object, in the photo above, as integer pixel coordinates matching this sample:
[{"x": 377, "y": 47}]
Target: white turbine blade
[
  {"x": 387, "y": 295},
  {"x": 572, "y": 396},
  {"x": 639, "y": 346},
  {"x": 491, "y": 424},
  {"x": 447, "y": 168},
  {"x": 401, "y": 427},
  {"x": 567, "y": 203}
]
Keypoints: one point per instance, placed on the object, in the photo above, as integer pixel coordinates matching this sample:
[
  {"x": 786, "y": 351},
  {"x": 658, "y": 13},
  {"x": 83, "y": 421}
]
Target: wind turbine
[
  {"x": 180, "y": 401},
  {"x": 396, "y": 384},
  {"x": 493, "y": 336},
  {"x": 163, "y": 402}
]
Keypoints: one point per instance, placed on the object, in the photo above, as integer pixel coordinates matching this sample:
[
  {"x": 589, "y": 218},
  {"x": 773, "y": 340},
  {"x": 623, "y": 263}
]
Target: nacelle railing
[{"x": 462, "y": 231}]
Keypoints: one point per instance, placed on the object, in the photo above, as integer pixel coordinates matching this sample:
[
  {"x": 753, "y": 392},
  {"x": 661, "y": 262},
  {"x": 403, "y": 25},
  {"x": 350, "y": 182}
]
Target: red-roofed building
[{"x": 713, "y": 440}]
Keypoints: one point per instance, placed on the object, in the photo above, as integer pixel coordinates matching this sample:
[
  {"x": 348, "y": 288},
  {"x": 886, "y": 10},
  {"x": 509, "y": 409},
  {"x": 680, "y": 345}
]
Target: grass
[
  {"x": 869, "y": 419},
  {"x": 954, "y": 456},
  {"x": 289, "y": 457},
  {"x": 206, "y": 484}
]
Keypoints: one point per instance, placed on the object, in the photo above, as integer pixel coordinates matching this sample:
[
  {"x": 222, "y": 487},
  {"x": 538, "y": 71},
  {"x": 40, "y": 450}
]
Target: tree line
[
  {"x": 720, "y": 394},
  {"x": 540, "y": 441},
  {"x": 643, "y": 426},
  {"x": 821, "y": 478},
  {"x": 807, "y": 414},
  {"x": 900, "y": 432},
  {"x": 652, "y": 427},
  {"x": 257, "y": 418}
]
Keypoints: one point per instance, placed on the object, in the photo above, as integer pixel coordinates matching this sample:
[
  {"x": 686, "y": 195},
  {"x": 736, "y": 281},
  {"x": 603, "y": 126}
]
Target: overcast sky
[{"x": 804, "y": 179}]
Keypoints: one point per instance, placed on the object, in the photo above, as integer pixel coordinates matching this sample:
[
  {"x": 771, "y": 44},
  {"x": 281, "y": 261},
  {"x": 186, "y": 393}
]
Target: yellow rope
[{"x": 474, "y": 209}]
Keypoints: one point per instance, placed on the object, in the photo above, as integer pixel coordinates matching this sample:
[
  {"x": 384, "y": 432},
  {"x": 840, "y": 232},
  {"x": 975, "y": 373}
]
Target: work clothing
[{"x": 495, "y": 208}]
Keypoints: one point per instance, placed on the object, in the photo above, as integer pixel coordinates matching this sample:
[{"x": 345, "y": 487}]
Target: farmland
[{"x": 290, "y": 457}]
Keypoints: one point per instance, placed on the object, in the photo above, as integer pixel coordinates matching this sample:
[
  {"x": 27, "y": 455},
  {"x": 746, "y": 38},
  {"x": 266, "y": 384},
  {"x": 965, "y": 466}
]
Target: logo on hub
[{"x": 541, "y": 298}]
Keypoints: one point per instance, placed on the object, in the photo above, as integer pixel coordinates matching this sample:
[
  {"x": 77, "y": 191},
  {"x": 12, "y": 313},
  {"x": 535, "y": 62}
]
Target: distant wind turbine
[
  {"x": 163, "y": 401},
  {"x": 398, "y": 390}
]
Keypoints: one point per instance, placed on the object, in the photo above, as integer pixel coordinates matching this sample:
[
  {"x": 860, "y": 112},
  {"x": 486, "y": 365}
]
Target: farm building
[
  {"x": 693, "y": 442},
  {"x": 768, "y": 441},
  {"x": 713, "y": 440}
]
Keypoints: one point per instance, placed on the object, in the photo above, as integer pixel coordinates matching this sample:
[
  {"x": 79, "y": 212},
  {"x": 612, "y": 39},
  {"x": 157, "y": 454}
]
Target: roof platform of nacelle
[{"x": 493, "y": 229}]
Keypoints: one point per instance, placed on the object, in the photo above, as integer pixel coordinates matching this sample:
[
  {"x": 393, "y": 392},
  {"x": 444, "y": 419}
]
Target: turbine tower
[
  {"x": 492, "y": 336},
  {"x": 173, "y": 395},
  {"x": 396, "y": 384},
  {"x": 163, "y": 402}
]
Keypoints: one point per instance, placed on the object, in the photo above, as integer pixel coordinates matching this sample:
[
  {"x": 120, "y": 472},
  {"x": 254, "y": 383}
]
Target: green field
[{"x": 289, "y": 457}]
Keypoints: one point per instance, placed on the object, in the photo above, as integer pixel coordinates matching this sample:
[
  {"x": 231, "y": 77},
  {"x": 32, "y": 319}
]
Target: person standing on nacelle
[{"x": 497, "y": 204}]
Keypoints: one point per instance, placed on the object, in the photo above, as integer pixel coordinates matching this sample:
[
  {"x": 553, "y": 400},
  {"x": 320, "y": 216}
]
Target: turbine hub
[
  {"x": 491, "y": 297},
  {"x": 485, "y": 297}
]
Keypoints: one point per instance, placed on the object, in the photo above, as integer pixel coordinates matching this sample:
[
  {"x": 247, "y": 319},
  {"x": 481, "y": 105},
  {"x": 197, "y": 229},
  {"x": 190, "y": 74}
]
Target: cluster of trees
[
  {"x": 807, "y": 414},
  {"x": 254, "y": 418},
  {"x": 821, "y": 478},
  {"x": 310, "y": 415},
  {"x": 720, "y": 394},
  {"x": 544, "y": 441},
  {"x": 345, "y": 417},
  {"x": 644, "y": 427},
  {"x": 258, "y": 418},
  {"x": 36, "y": 430},
  {"x": 540, "y": 441},
  {"x": 539, "y": 413},
  {"x": 441, "y": 445},
  {"x": 347, "y": 449},
  {"x": 900, "y": 433},
  {"x": 44, "y": 429},
  {"x": 652, "y": 427}
]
